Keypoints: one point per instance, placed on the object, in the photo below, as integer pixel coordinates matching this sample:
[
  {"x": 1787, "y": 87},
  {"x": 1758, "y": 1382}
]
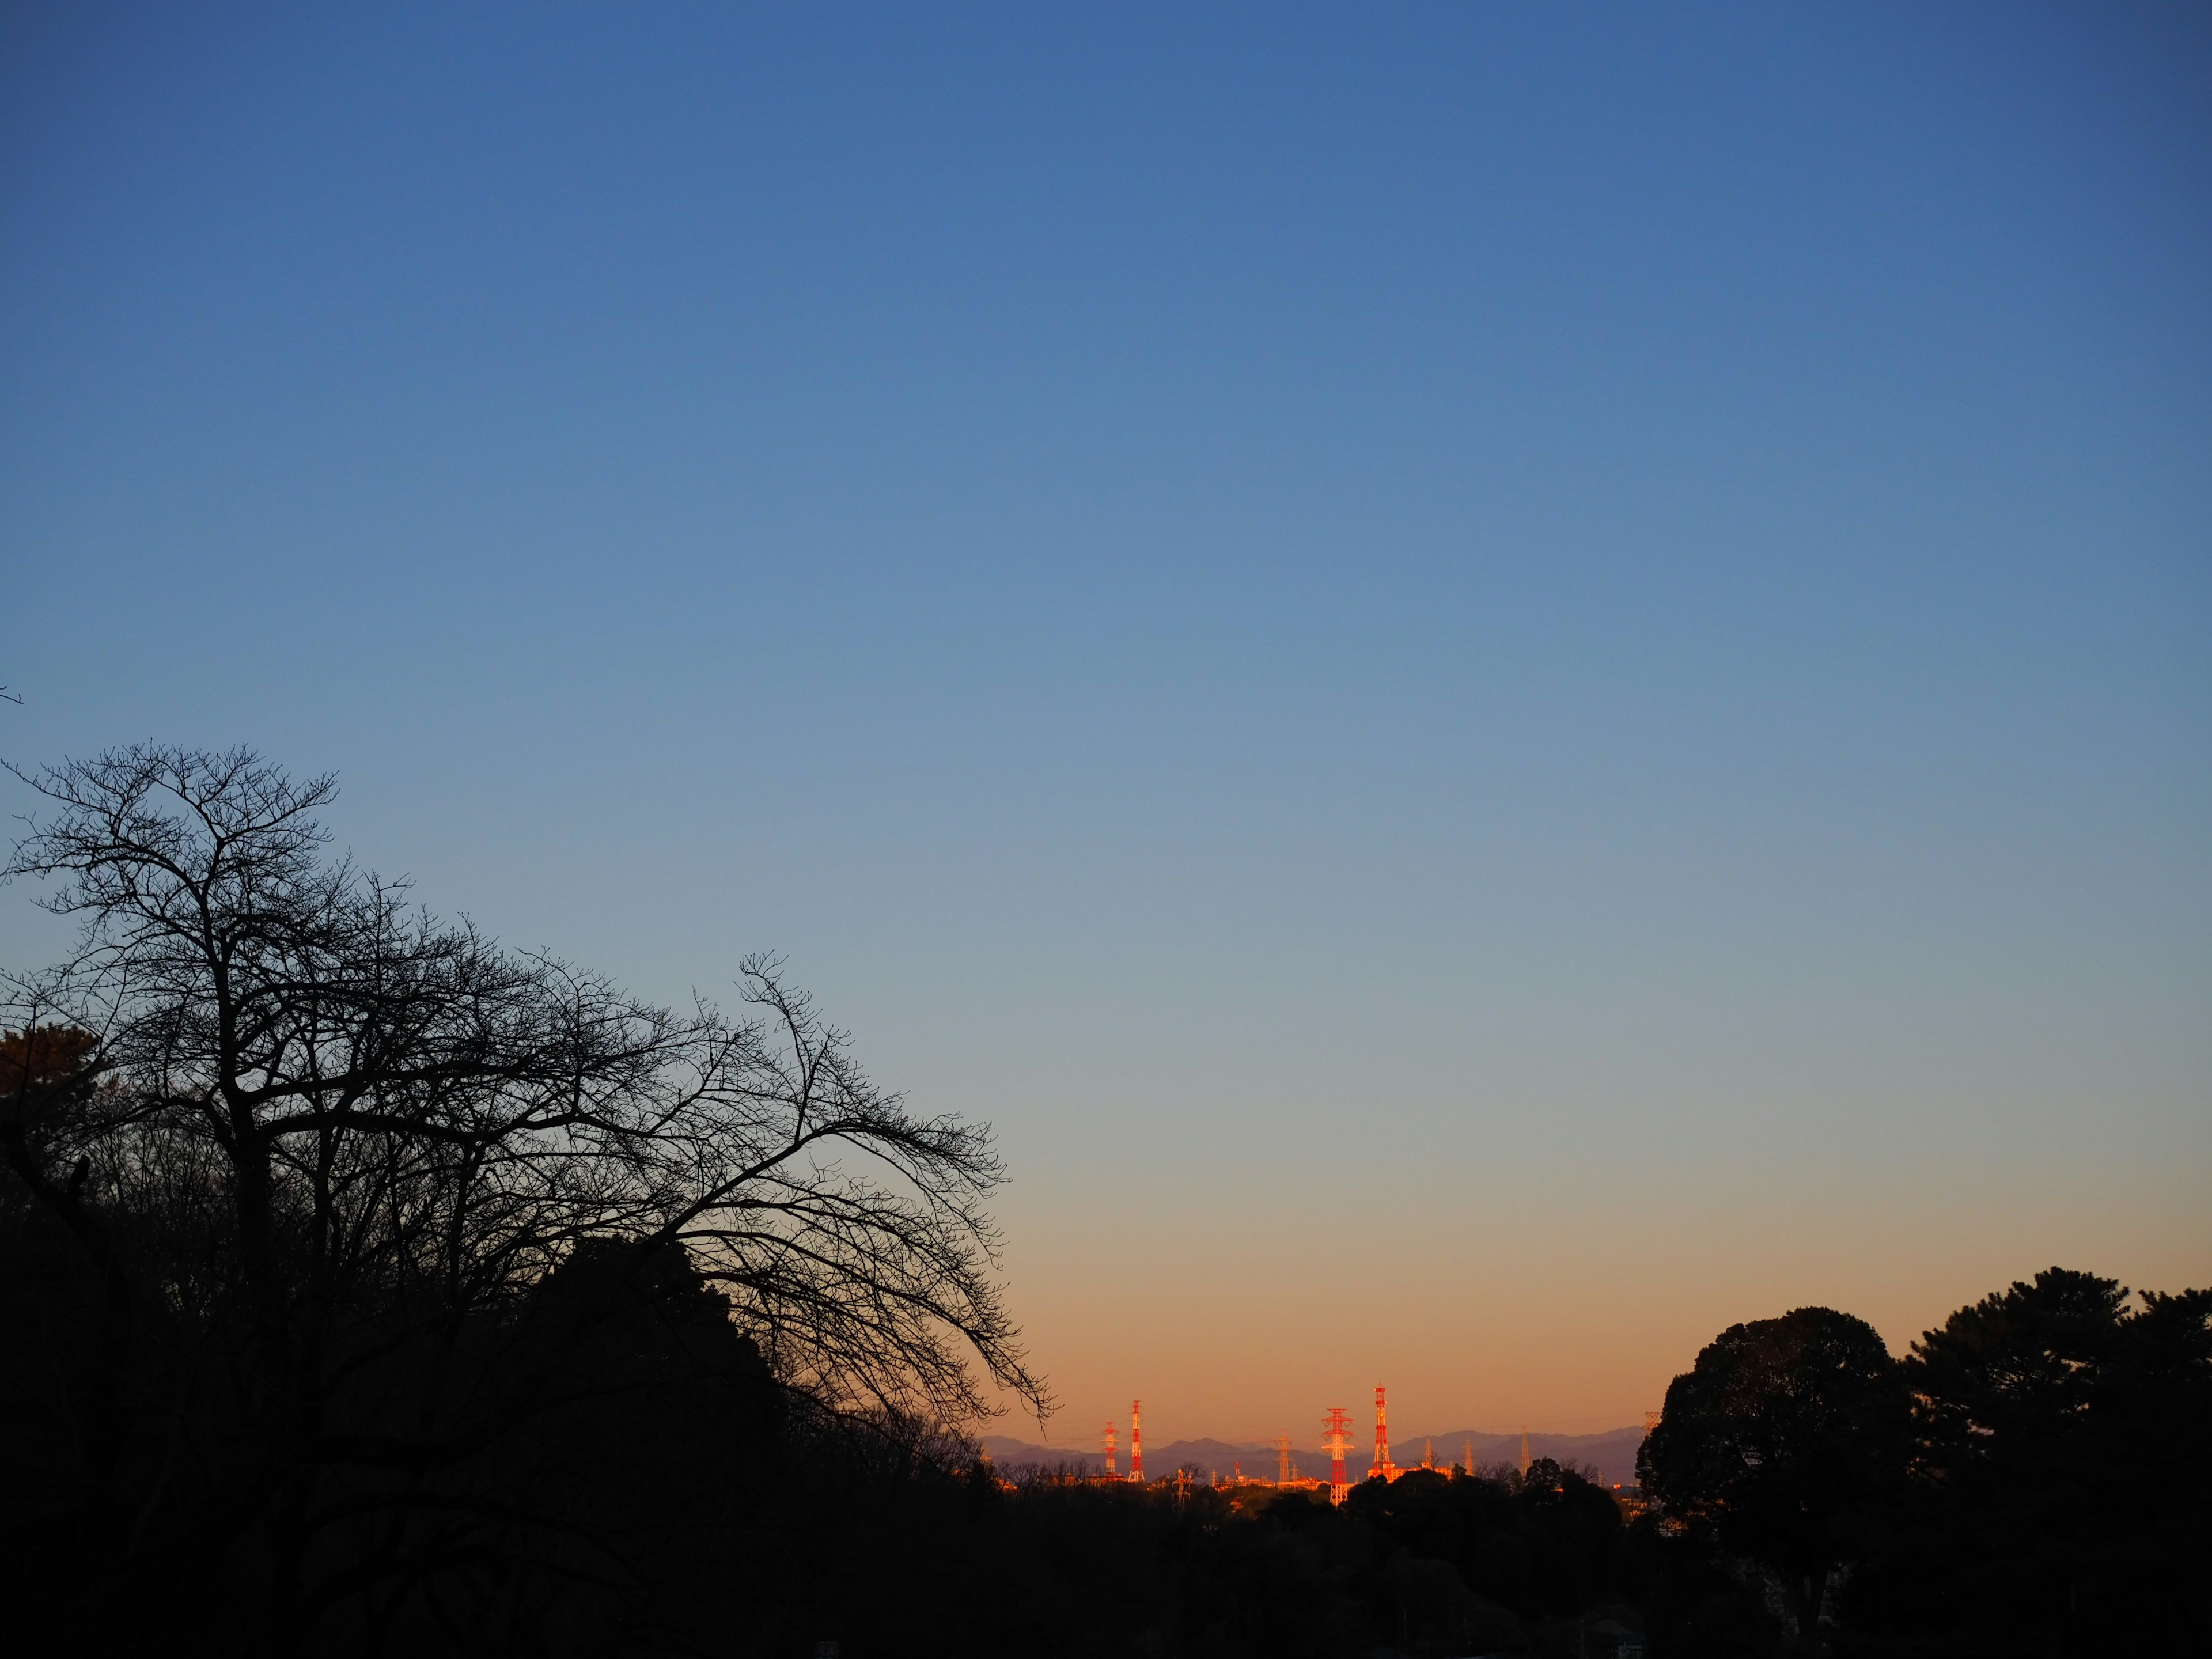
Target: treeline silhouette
[
  {"x": 677, "y": 1499},
  {"x": 367, "y": 1289},
  {"x": 656, "y": 1489}
]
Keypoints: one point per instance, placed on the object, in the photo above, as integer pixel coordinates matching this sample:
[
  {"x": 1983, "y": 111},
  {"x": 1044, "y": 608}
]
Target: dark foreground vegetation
[{"x": 365, "y": 1288}]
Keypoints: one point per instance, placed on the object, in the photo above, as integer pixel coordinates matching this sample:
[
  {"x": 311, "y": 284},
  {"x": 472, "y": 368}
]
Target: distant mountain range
[{"x": 1612, "y": 1455}]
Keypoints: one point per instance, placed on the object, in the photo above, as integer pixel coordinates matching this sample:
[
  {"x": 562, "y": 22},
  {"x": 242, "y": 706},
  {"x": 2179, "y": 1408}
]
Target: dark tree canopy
[
  {"x": 1783, "y": 1431},
  {"x": 2029, "y": 1478},
  {"x": 2065, "y": 1443},
  {"x": 2017, "y": 1364}
]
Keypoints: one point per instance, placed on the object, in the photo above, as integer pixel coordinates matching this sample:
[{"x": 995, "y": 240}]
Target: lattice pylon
[{"x": 1336, "y": 1438}]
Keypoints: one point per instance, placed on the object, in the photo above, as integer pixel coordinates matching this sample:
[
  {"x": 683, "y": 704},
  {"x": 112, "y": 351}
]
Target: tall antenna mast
[
  {"x": 1136, "y": 1443},
  {"x": 1109, "y": 1451},
  {"x": 1283, "y": 1461},
  {"x": 1383, "y": 1466}
]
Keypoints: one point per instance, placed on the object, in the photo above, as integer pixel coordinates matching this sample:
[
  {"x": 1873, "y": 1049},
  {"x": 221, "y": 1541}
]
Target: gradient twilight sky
[{"x": 1507, "y": 683}]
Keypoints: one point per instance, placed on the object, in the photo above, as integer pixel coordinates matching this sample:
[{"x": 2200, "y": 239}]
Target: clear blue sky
[{"x": 1508, "y": 682}]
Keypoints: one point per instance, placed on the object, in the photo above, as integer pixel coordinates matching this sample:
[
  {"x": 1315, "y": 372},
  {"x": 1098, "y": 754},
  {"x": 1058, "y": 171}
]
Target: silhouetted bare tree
[{"x": 349, "y": 1140}]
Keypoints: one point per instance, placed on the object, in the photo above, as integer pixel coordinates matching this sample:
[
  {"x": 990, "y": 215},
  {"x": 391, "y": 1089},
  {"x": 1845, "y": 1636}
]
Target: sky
[{"x": 1507, "y": 684}]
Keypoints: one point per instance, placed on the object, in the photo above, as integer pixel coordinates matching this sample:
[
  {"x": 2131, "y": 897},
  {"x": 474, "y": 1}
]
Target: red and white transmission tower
[
  {"x": 1136, "y": 1443},
  {"x": 1383, "y": 1465},
  {"x": 1109, "y": 1451},
  {"x": 1283, "y": 1461},
  {"x": 1336, "y": 1440}
]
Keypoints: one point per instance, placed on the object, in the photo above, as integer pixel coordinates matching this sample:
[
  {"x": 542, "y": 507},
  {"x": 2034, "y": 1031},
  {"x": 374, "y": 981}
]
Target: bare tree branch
[{"x": 370, "y": 1136}]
